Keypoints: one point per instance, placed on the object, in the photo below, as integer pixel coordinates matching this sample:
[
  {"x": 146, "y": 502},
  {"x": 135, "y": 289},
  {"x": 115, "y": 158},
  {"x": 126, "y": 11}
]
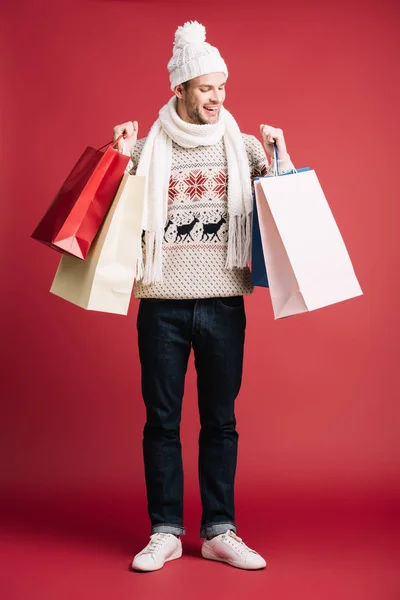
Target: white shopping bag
[
  {"x": 307, "y": 262},
  {"x": 104, "y": 280}
]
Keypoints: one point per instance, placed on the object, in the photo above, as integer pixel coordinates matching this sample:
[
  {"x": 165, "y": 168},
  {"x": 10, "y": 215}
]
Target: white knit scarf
[{"x": 155, "y": 164}]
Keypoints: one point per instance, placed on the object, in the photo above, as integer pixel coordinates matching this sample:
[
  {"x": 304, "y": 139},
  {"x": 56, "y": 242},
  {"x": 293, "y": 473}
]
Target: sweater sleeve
[{"x": 135, "y": 156}]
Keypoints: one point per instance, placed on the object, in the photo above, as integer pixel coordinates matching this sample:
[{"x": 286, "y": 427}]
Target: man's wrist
[{"x": 284, "y": 158}]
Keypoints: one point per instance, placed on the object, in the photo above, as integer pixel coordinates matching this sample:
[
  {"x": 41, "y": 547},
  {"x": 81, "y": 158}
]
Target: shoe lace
[
  {"x": 236, "y": 542},
  {"x": 157, "y": 540}
]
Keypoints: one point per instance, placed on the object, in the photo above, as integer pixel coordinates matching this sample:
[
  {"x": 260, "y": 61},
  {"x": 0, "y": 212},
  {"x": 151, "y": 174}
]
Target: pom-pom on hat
[{"x": 192, "y": 55}]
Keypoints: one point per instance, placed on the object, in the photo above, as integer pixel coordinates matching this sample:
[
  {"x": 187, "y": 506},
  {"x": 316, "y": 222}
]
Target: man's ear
[{"x": 178, "y": 91}]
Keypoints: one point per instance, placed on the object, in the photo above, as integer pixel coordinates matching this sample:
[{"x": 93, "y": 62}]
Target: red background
[{"x": 318, "y": 477}]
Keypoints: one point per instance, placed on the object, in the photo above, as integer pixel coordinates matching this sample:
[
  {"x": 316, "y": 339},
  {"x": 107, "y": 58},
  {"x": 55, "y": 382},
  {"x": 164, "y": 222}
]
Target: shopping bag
[
  {"x": 75, "y": 215},
  {"x": 306, "y": 259},
  {"x": 104, "y": 280},
  {"x": 259, "y": 276}
]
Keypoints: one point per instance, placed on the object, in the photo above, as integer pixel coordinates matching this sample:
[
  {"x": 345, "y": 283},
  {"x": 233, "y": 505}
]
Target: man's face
[{"x": 201, "y": 102}]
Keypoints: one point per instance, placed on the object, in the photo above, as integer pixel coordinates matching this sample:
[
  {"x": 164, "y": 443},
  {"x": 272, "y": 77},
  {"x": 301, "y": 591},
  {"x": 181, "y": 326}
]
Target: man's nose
[{"x": 216, "y": 97}]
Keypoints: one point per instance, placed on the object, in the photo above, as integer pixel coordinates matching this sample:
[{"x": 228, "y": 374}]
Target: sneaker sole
[
  {"x": 174, "y": 556},
  {"x": 209, "y": 554}
]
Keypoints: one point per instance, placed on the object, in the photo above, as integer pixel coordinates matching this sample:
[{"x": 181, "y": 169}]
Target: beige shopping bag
[
  {"x": 104, "y": 280},
  {"x": 307, "y": 262}
]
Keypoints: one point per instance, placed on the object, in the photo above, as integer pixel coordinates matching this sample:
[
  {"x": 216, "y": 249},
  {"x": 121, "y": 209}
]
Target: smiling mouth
[{"x": 212, "y": 110}]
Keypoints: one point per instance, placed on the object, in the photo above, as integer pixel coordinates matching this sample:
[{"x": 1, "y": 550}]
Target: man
[{"x": 191, "y": 282}]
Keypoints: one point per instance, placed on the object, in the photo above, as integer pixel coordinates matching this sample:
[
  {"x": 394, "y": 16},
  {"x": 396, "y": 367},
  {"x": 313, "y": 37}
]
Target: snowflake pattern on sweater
[{"x": 196, "y": 232}]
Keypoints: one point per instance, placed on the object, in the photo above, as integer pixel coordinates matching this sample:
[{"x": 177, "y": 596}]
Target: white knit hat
[{"x": 192, "y": 55}]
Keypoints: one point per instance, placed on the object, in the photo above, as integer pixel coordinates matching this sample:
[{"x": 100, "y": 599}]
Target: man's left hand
[{"x": 271, "y": 135}]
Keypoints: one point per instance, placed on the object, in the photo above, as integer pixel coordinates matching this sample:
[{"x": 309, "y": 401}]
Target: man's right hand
[{"x": 130, "y": 132}]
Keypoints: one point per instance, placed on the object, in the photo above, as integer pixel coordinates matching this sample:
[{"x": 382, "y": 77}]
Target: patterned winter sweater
[{"x": 196, "y": 232}]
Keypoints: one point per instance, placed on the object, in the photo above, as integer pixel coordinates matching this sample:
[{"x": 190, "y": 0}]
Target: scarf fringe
[
  {"x": 139, "y": 264},
  {"x": 152, "y": 270},
  {"x": 239, "y": 241}
]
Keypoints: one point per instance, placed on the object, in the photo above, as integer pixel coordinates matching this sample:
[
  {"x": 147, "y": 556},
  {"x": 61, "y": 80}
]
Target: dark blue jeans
[{"x": 167, "y": 330}]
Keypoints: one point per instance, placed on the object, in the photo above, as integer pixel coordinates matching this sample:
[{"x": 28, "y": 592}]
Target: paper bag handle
[
  {"x": 276, "y": 173},
  {"x": 112, "y": 143}
]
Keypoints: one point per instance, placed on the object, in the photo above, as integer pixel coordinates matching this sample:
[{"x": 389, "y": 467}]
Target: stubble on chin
[{"x": 195, "y": 116}]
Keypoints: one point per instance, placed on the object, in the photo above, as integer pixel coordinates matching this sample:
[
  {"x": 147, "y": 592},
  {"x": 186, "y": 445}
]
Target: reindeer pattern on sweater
[{"x": 196, "y": 231}]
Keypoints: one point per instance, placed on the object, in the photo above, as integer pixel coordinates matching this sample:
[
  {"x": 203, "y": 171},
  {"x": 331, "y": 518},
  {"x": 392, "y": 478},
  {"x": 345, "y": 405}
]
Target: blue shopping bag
[{"x": 259, "y": 275}]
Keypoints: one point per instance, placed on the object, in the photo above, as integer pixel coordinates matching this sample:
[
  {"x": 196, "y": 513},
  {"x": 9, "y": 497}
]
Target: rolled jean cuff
[
  {"x": 213, "y": 529},
  {"x": 168, "y": 528}
]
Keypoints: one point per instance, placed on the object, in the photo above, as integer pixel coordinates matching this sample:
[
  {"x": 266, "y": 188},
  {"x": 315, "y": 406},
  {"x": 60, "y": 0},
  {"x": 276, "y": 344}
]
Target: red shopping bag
[{"x": 75, "y": 215}]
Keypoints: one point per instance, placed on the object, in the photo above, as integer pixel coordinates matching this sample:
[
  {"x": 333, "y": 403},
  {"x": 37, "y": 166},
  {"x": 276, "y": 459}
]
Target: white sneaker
[
  {"x": 230, "y": 548},
  {"x": 161, "y": 548}
]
